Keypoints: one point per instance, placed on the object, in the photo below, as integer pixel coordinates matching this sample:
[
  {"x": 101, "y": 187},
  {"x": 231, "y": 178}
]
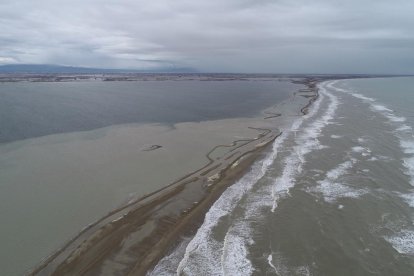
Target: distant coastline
[{"x": 59, "y": 73}]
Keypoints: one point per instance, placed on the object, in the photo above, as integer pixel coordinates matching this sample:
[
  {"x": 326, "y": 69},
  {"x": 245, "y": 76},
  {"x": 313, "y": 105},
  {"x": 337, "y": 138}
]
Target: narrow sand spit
[{"x": 133, "y": 238}]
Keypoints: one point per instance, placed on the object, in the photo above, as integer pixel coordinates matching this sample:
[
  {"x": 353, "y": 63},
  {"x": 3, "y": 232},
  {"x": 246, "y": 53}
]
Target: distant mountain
[{"x": 59, "y": 69}]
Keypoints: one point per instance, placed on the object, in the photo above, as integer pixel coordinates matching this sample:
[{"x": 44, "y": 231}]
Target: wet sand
[{"x": 131, "y": 239}]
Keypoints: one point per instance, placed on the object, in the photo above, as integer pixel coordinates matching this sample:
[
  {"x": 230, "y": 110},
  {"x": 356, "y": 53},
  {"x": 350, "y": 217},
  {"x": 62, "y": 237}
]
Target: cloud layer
[{"x": 296, "y": 36}]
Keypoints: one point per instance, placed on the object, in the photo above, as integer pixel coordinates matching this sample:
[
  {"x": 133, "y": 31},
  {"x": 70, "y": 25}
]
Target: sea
[{"x": 334, "y": 195}]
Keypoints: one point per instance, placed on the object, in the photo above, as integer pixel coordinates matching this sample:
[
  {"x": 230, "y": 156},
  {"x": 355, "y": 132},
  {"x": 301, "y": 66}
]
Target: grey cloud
[{"x": 226, "y": 36}]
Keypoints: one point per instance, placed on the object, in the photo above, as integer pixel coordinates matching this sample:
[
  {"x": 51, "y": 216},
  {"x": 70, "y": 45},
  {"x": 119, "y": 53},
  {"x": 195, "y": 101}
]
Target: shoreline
[
  {"x": 6, "y": 77},
  {"x": 152, "y": 223}
]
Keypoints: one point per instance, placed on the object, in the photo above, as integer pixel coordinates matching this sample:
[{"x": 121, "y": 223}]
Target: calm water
[
  {"x": 335, "y": 195},
  {"x": 30, "y": 109},
  {"x": 53, "y": 186}
]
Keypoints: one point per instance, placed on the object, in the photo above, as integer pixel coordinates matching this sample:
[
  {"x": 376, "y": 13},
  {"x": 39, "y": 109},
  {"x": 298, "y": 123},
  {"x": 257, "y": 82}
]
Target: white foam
[
  {"x": 380, "y": 107},
  {"x": 332, "y": 189},
  {"x": 168, "y": 265},
  {"x": 408, "y": 162},
  {"x": 407, "y": 146},
  {"x": 394, "y": 118},
  {"x": 269, "y": 261},
  {"x": 340, "y": 170},
  {"x": 234, "y": 258},
  {"x": 403, "y": 242},
  {"x": 277, "y": 264},
  {"x": 363, "y": 151},
  {"x": 358, "y": 149},
  {"x": 409, "y": 198},
  {"x": 409, "y": 165},
  {"x": 404, "y": 128},
  {"x": 389, "y": 114},
  {"x": 305, "y": 143},
  {"x": 384, "y": 158},
  {"x": 336, "y": 136},
  {"x": 362, "y": 97}
]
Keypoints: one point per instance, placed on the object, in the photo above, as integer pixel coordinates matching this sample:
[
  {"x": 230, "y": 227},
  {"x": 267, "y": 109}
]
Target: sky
[{"x": 246, "y": 36}]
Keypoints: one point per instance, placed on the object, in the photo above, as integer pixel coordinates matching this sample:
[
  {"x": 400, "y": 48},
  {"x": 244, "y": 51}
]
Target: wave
[
  {"x": 359, "y": 96},
  {"x": 403, "y": 242},
  {"x": 408, "y": 162},
  {"x": 234, "y": 258},
  {"x": 409, "y": 198},
  {"x": 380, "y": 107},
  {"x": 404, "y": 128},
  {"x": 332, "y": 189}
]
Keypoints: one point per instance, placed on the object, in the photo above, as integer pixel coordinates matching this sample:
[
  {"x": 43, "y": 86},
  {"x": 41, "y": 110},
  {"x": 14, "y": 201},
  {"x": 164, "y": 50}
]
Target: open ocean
[{"x": 334, "y": 196}]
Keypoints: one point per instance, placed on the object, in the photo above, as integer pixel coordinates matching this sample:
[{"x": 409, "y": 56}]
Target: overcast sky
[{"x": 294, "y": 36}]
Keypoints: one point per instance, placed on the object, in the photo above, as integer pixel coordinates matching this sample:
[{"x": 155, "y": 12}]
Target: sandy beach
[{"x": 132, "y": 238}]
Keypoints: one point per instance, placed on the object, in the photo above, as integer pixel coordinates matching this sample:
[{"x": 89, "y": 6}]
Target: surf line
[
  {"x": 306, "y": 142},
  {"x": 234, "y": 257},
  {"x": 204, "y": 253}
]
